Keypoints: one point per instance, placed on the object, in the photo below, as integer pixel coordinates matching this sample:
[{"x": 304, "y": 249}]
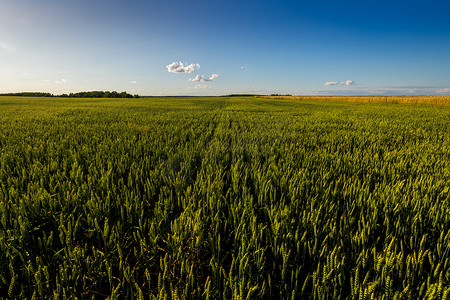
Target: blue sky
[{"x": 196, "y": 47}]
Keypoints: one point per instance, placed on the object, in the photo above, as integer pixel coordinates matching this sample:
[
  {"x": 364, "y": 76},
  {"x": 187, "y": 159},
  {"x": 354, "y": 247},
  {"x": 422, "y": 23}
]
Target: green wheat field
[{"x": 224, "y": 198}]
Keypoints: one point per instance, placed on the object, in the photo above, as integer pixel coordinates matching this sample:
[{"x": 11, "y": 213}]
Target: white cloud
[
  {"x": 61, "y": 81},
  {"x": 133, "y": 82},
  {"x": 347, "y": 83},
  {"x": 201, "y": 78},
  {"x": 443, "y": 91},
  {"x": 178, "y": 67},
  {"x": 245, "y": 66},
  {"x": 201, "y": 86}
]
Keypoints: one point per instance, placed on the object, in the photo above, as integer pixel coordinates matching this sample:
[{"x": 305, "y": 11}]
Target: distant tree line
[
  {"x": 242, "y": 95},
  {"x": 90, "y": 94},
  {"x": 29, "y": 94},
  {"x": 253, "y": 95}
]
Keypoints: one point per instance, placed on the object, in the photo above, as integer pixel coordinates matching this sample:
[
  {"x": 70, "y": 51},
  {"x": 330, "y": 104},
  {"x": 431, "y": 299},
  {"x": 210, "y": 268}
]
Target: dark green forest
[{"x": 90, "y": 94}]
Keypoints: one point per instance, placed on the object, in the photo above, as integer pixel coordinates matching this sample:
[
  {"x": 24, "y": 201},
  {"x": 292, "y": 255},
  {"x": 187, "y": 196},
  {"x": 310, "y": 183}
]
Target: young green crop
[{"x": 223, "y": 198}]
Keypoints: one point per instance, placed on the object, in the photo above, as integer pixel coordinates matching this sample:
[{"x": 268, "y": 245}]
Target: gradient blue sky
[{"x": 295, "y": 47}]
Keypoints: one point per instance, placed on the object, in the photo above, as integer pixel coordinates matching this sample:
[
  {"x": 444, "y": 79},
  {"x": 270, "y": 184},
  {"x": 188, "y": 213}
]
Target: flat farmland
[{"x": 225, "y": 198}]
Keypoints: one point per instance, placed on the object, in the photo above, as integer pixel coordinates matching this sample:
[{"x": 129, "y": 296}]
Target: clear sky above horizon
[{"x": 198, "y": 47}]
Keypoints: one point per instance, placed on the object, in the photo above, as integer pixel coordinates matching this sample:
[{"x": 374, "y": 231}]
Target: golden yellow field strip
[{"x": 426, "y": 99}]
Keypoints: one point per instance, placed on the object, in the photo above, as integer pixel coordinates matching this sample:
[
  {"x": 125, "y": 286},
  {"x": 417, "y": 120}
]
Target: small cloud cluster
[
  {"x": 443, "y": 91},
  {"x": 347, "y": 83},
  {"x": 179, "y": 67},
  {"x": 244, "y": 67},
  {"x": 61, "y": 81},
  {"x": 201, "y": 78}
]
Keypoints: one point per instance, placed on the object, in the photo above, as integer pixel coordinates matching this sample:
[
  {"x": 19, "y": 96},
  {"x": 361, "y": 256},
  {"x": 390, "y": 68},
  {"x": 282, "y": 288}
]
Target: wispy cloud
[
  {"x": 422, "y": 87},
  {"x": 244, "y": 67},
  {"x": 347, "y": 83},
  {"x": 7, "y": 46},
  {"x": 201, "y": 86},
  {"x": 61, "y": 81},
  {"x": 133, "y": 82},
  {"x": 384, "y": 90},
  {"x": 443, "y": 91},
  {"x": 201, "y": 78},
  {"x": 179, "y": 67}
]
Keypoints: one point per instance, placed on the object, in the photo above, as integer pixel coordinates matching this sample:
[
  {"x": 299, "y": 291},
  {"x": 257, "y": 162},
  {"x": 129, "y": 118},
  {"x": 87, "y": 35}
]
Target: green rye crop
[{"x": 224, "y": 198}]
